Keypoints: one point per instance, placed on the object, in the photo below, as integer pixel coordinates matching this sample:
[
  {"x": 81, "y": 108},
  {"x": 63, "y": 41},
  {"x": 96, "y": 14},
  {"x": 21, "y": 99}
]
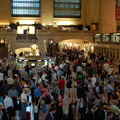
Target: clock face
[{"x": 34, "y": 46}]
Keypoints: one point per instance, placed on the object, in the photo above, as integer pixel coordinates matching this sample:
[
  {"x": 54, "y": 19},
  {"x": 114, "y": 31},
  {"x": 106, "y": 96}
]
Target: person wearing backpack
[
  {"x": 96, "y": 90},
  {"x": 55, "y": 92},
  {"x": 69, "y": 86}
]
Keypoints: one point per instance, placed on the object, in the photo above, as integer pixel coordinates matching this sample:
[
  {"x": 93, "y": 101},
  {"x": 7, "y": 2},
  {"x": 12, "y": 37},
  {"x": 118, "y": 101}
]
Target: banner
[{"x": 117, "y": 10}]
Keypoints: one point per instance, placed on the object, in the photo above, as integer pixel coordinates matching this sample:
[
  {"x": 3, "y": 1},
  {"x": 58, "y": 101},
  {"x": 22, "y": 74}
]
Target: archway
[{"x": 78, "y": 44}]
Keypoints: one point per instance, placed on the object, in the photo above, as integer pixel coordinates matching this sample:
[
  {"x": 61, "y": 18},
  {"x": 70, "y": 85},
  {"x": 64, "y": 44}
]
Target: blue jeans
[{"x": 23, "y": 110}]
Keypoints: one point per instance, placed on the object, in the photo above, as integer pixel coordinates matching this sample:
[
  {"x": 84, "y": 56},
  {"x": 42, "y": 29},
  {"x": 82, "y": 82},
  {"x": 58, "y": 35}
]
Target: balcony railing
[{"x": 26, "y": 40}]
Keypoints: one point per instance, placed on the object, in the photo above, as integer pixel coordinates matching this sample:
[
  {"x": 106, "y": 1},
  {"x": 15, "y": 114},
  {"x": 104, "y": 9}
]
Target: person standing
[
  {"x": 69, "y": 86},
  {"x": 109, "y": 90},
  {"x": 24, "y": 103},
  {"x": 1, "y": 75},
  {"x": 59, "y": 107},
  {"x": 62, "y": 86},
  {"x": 8, "y": 104},
  {"x": 13, "y": 93},
  {"x": 71, "y": 109},
  {"x": 5, "y": 87},
  {"x": 10, "y": 80},
  {"x": 119, "y": 68},
  {"x": 90, "y": 115},
  {"x": 50, "y": 115},
  {"x": 3, "y": 116},
  {"x": 110, "y": 116},
  {"x": 9, "y": 73},
  {"x": 37, "y": 93}
]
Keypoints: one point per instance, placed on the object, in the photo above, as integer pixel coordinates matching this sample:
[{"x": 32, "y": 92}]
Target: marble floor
[
  {"x": 66, "y": 102},
  {"x": 41, "y": 116}
]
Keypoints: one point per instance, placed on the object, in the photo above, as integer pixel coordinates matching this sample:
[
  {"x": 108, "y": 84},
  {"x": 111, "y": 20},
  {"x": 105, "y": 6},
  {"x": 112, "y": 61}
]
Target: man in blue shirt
[
  {"x": 37, "y": 94},
  {"x": 109, "y": 90}
]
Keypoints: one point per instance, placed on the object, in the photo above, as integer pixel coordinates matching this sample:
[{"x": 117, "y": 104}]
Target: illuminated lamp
[
  {"x": 39, "y": 60},
  {"x": 25, "y": 60},
  {"x": 31, "y": 53},
  {"x": 20, "y": 60},
  {"x": 37, "y": 54},
  {"x": 70, "y": 44}
]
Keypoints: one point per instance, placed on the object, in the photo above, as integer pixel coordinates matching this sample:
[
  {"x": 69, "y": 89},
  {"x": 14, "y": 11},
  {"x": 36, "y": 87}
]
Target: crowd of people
[{"x": 75, "y": 87}]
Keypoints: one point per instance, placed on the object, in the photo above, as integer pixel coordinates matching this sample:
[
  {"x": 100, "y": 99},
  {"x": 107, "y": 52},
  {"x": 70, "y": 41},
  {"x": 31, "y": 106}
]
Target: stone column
[
  {"x": 47, "y": 12},
  {"x": 107, "y": 16},
  {"x": 109, "y": 50},
  {"x": 115, "y": 52}
]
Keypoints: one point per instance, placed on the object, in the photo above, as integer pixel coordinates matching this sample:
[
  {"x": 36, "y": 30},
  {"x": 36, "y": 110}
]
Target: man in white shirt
[
  {"x": 110, "y": 70},
  {"x": 1, "y": 75},
  {"x": 24, "y": 103},
  {"x": 93, "y": 80},
  {"x": 56, "y": 68},
  {"x": 8, "y": 104},
  {"x": 43, "y": 75},
  {"x": 39, "y": 79},
  {"x": 61, "y": 66},
  {"x": 79, "y": 69},
  {"x": 10, "y": 72},
  {"x": 10, "y": 81},
  {"x": 106, "y": 66}
]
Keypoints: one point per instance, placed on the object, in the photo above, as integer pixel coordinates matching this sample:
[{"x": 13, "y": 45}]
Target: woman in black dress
[{"x": 71, "y": 113}]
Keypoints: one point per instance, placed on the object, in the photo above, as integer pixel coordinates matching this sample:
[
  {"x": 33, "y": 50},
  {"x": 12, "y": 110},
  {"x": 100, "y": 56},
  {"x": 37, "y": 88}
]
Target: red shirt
[
  {"x": 53, "y": 66},
  {"x": 61, "y": 84}
]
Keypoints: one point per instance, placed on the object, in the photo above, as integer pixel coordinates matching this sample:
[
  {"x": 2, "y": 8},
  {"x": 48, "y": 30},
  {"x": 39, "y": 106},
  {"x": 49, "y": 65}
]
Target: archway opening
[{"x": 76, "y": 44}]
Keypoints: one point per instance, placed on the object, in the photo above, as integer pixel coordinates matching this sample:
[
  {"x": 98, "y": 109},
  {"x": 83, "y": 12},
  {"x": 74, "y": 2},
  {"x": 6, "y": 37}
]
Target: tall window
[
  {"x": 67, "y": 8},
  {"x": 25, "y": 8}
]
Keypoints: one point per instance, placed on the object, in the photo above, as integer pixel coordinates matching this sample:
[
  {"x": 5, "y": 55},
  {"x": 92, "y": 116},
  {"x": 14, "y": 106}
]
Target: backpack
[{"x": 68, "y": 85}]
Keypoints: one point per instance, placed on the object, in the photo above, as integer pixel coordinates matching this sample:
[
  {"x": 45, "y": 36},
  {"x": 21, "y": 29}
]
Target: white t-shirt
[
  {"x": 10, "y": 81},
  {"x": 56, "y": 68},
  {"x": 93, "y": 81},
  {"x": 39, "y": 81},
  {"x": 1, "y": 76},
  {"x": 23, "y": 96},
  {"x": 79, "y": 69},
  {"x": 61, "y": 66},
  {"x": 36, "y": 109},
  {"x": 43, "y": 76},
  {"x": 106, "y": 66}
]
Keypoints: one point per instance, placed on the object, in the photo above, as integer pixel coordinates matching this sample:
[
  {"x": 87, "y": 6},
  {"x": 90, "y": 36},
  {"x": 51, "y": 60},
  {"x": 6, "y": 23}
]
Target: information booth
[{"x": 34, "y": 61}]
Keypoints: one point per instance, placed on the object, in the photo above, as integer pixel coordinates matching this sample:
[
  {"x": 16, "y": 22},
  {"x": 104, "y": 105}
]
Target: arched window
[
  {"x": 25, "y": 8},
  {"x": 67, "y": 8}
]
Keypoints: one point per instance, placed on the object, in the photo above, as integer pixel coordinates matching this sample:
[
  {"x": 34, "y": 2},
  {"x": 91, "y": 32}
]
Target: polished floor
[
  {"x": 41, "y": 116},
  {"x": 65, "y": 106}
]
